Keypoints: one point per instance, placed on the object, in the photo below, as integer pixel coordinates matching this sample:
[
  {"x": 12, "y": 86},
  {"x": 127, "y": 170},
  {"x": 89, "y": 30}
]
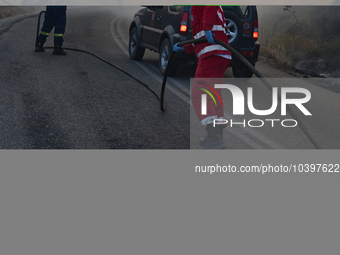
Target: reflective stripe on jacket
[{"x": 208, "y": 18}]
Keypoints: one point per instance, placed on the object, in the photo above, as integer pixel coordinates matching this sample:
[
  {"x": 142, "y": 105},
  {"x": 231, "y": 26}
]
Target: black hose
[
  {"x": 38, "y": 28},
  {"x": 231, "y": 49},
  {"x": 250, "y": 66},
  {"x": 100, "y": 58},
  {"x": 113, "y": 65},
  {"x": 161, "y": 96}
]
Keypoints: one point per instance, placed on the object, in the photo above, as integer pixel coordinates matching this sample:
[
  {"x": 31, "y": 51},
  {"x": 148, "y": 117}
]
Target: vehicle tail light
[
  {"x": 248, "y": 53},
  {"x": 256, "y": 32},
  {"x": 183, "y": 27}
]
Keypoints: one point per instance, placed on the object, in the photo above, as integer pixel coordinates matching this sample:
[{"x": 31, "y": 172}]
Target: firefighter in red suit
[{"x": 213, "y": 60}]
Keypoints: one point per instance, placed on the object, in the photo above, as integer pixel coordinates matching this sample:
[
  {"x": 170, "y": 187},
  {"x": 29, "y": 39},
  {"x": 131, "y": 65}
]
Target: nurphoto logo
[{"x": 239, "y": 105}]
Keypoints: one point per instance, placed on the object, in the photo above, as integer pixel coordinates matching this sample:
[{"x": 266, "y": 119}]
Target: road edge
[{"x": 7, "y": 23}]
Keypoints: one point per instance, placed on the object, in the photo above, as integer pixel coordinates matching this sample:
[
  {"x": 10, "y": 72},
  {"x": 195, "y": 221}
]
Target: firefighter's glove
[
  {"x": 209, "y": 36},
  {"x": 177, "y": 49}
]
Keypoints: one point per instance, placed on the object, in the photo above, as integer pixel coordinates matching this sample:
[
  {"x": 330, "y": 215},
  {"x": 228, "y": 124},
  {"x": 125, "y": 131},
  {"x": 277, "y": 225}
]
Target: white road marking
[{"x": 145, "y": 67}]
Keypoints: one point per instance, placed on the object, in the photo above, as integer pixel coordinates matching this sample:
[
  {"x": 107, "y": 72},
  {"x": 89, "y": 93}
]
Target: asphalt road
[{"x": 79, "y": 102}]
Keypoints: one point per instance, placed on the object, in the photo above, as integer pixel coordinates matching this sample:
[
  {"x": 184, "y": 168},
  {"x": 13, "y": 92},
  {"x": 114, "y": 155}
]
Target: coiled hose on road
[{"x": 161, "y": 96}]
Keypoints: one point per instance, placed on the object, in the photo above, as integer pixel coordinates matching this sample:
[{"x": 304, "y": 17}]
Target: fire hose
[
  {"x": 98, "y": 57},
  {"x": 250, "y": 66},
  {"x": 161, "y": 96}
]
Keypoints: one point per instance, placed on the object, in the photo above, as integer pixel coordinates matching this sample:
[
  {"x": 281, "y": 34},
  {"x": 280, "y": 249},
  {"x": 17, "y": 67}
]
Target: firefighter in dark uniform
[{"x": 55, "y": 16}]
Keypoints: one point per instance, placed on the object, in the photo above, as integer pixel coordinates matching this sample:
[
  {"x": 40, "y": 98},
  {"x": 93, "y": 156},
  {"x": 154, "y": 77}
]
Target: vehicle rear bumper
[{"x": 252, "y": 59}]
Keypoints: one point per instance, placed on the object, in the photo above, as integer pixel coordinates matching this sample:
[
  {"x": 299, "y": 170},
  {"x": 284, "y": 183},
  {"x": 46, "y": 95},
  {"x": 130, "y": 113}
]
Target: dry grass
[{"x": 296, "y": 34}]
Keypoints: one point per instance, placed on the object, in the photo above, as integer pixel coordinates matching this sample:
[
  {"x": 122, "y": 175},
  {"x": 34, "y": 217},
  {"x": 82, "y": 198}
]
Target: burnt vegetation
[{"x": 304, "y": 38}]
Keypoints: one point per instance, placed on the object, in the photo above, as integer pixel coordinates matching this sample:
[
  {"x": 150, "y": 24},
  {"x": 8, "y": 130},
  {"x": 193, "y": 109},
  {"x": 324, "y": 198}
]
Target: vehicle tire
[
  {"x": 135, "y": 52},
  {"x": 234, "y": 28},
  {"x": 164, "y": 56},
  {"x": 242, "y": 71}
]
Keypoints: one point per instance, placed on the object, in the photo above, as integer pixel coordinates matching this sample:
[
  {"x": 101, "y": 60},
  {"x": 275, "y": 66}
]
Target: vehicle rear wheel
[
  {"x": 234, "y": 28},
  {"x": 164, "y": 56},
  {"x": 135, "y": 52},
  {"x": 242, "y": 71}
]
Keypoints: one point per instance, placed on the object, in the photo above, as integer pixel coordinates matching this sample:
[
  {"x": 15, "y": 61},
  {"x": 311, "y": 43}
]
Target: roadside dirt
[{"x": 329, "y": 80}]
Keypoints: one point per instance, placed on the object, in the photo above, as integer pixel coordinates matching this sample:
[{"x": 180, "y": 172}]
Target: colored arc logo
[{"x": 212, "y": 95}]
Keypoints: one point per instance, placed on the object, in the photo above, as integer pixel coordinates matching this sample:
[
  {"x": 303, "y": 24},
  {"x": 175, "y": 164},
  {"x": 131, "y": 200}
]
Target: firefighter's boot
[
  {"x": 39, "y": 47},
  {"x": 202, "y": 141},
  {"x": 214, "y": 138},
  {"x": 58, "y": 50}
]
